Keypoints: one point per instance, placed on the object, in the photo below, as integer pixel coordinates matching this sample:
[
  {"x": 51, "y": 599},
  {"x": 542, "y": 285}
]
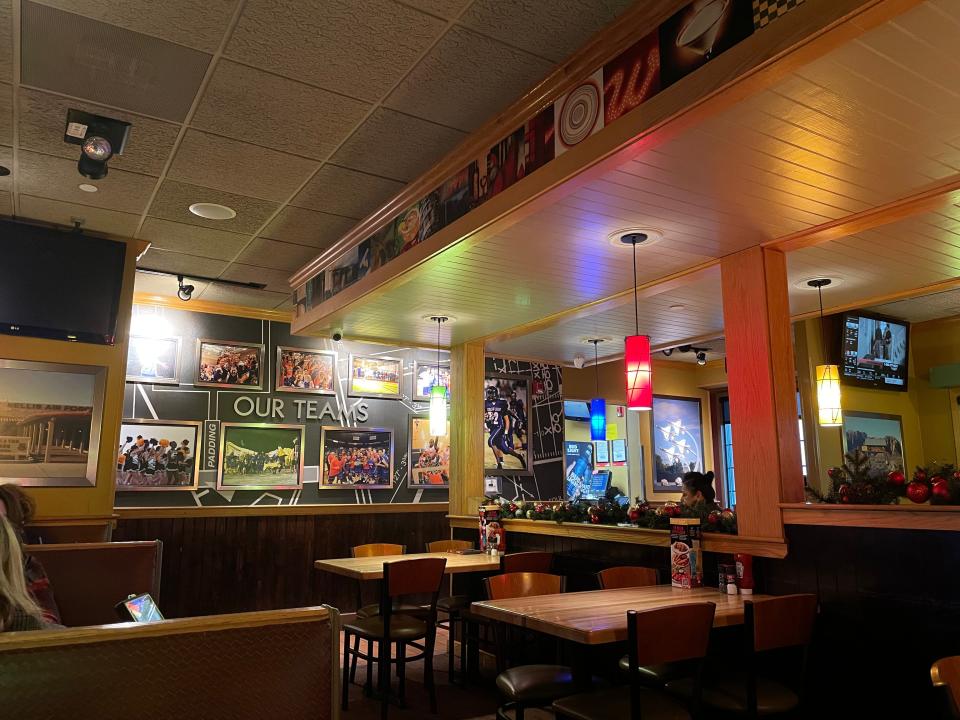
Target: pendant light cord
[
  {"x": 439, "y": 323},
  {"x": 823, "y": 347},
  {"x": 596, "y": 366},
  {"x": 636, "y": 303}
]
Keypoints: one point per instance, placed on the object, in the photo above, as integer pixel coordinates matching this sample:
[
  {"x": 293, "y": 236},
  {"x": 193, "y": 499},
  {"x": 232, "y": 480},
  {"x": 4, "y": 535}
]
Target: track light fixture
[
  {"x": 701, "y": 358},
  {"x": 184, "y": 292},
  {"x": 99, "y": 138}
]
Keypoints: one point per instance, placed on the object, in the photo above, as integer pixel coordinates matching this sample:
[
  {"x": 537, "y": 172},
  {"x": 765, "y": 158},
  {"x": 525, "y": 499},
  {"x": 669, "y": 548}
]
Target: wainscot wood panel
[{"x": 238, "y": 564}]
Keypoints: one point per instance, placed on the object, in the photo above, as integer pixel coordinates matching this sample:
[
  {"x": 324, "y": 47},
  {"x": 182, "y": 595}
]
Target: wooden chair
[
  {"x": 676, "y": 634},
  {"x": 771, "y": 624},
  {"x": 375, "y": 549},
  {"x": 528, "y": 685},
  {"x": 626, "y": 576},
  {"x": 453, "y": 605},
  {"x": 946, "y": 673},
  {"x": 389, "y": 628},
  {"x": 537, "y": 562}
]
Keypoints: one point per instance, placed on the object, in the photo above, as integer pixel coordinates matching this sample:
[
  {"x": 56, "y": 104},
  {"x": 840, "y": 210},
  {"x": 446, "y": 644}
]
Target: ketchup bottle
[{"x": 744, "y": 573}]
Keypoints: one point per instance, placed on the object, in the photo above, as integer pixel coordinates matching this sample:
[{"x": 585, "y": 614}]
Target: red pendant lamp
[{"x": 636, "y": 350}]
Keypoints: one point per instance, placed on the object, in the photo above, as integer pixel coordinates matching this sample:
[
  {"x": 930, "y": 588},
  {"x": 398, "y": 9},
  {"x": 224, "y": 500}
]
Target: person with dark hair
[{"x": 697, "y": 489}]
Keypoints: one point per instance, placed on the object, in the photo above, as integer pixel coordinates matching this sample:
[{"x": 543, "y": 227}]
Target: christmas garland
[
  {"x": 854, "y": 483},
  {"x": 607, "y": 512}
]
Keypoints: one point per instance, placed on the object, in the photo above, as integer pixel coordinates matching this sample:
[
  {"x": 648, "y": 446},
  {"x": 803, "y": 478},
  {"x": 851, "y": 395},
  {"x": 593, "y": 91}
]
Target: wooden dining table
[
  {"x": 371, "y": 568},
  {"x": 598, "y": 617}
]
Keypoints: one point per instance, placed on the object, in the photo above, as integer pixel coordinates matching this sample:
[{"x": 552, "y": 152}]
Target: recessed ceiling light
[
  {"x": 212, "y": 211},
  {"x": 87, "y": 187},
  {"x": 678, "y": 307},
  {"x": 626, "y": 237}
]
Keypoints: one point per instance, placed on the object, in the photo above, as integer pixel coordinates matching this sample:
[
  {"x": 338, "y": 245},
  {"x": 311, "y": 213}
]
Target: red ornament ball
[
  {"x": 918, "y": 492},
  {"x": 634, "y": 514},
  {"x": 713, "y": 518},
  {"x": 956, "y": 474},
  {"x": 920, "y": 475},
  {"x": 941, "y": 489},
  {"x": 845, "y": 491},
  {"x": 897, "y": 477},
  {"x": 595, "y": 519}
]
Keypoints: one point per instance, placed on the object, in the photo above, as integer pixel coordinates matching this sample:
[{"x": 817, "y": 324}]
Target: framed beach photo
[
  {"x": 506, "y": 402},
  {"x": 50, "y": 415},
  {"x": 259, "y": 456},
  {"x": 429, "y": 456},
  {"x": 880, "y": 436},
  {"x": 306, "y": 371},
  {"x": 153, "y": 360},
  {"x": 356, "y": 458},
  {"x": 677, "y": 441},
  {"x": 228, "y": 363},
  {"x": 425, "y": 377},
  {"x": 158, "y": 455},
  {"x": 373, "y": 376}
]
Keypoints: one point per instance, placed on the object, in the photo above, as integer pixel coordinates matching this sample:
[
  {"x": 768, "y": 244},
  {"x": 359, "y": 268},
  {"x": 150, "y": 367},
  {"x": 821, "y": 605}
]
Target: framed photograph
[
  {"x": 226, "y": 363},
  {"x": 618, "y": 450},
  {"x": 153, "y": 360},
  {"x": 356, "y": 458},
  {"x": 375, "y": 376},
  {"x": 258, "y": 456},
  {"x": 429, "y": 456},
  {"x": 506, "y": 400},
  {"x": 425, "y": 377},
  {"x": 677, "y": 441},
  {"x": 50, "y": 415},
  {"x": 306, "y": 371},
  {"x": 880, "y": 436},
  {"x": 602, "y": 452},
  {"x": 158, "y": 455}
]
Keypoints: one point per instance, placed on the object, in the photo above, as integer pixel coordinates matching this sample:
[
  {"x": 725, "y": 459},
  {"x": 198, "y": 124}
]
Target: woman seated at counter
[{"x": 698, "y": 488}]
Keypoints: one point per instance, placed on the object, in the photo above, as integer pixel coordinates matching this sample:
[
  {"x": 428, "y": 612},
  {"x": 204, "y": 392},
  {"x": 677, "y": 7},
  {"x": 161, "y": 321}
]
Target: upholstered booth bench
[{"x": 246, "y": 666}]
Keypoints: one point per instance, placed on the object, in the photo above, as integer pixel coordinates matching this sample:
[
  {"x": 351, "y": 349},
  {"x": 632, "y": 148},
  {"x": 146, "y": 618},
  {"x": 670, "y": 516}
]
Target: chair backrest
[
  {"x": 523, "y": 584},
  {"x": 626, "y": 576},
  {"x": 780, "y": 622},
  {"x": 671, "y": 634},
  {"x": 410, "y": 577},
  {"x": 89, "y": 579},
  {"x": 152, "y": 669},
  {"x": 534, "y": 562},
  {"x": 375, "y": 549},
  {"x": 449, "y": 545},
  {"x": 946, "y": 673}
]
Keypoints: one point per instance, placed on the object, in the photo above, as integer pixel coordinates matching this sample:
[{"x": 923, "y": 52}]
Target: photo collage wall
[{"x": 222, "y": 410}]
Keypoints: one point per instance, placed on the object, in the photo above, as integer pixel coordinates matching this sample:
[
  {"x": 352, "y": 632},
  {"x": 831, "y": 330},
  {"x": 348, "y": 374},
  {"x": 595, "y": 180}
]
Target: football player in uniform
[
  {"x": 519, "y": 426},
  {"x": 498, "y": 418}
]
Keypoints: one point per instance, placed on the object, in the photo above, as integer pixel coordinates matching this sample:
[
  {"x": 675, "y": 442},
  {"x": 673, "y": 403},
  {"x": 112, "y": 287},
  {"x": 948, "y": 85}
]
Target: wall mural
[
  {"x": 684, "y": 42},
  {"x": 239, "y": 410}
]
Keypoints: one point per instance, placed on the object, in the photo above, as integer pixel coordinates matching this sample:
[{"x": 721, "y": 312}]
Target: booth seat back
[
  {"x": 246, "y": 666},
  {"x": 89, "y": 579}
]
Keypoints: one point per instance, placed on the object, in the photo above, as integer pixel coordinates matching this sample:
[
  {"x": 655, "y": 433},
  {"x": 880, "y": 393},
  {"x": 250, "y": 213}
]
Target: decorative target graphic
[{"x": 579, "y": 113}]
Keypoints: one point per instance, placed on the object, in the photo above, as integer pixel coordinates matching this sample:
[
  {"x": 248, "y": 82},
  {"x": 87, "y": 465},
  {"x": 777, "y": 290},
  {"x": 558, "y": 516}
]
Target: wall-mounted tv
[
  {"x": 874, "y": 351},
  {"x": 576, "y": 410},
  {"x": 59, "y": 285}
]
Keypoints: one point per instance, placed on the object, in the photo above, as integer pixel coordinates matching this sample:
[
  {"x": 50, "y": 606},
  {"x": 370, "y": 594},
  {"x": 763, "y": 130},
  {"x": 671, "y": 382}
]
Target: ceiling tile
[
  {"x": 245, "y": 297},
  {"x": 42, "y": 117},
  {"x": 346, "y": 192},
  {"x": 360, "y": 48},
  {"x": 555, "y": 34},
  {"x": 182, "y": 263},
  {"x": 192, "y": 239},
  {"x": 63, "y": 213},
  {"x": 6, "y": 42},
  {"x": 174, "y": 199},
  {"x": 237, "y": 167},
  {"x": 277, "y": 255},
  {"x": 197, "y": 23},
  {"x": 6, "y": 159},
  {"x": 305, "y": 227},
  {"x": 58, "y": 179},
  {"x": 444, "y": 8},
  {"x": 494, "y": 73},
  {"x": 6, "y": 203},
  {"x": 275, "y": 280},
  {"x": 84, "y": 58},
  {"x": 165, "y": 285},
  {"x": 6, "y": 114},
  {"x": 265, "y": 109},
  {"x": 395, "y": 145}
]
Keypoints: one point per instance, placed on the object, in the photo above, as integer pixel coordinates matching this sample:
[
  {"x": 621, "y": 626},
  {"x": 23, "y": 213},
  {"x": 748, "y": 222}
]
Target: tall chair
[
  {"x": 676, "y": 634},
  {"x": 536, "y": 562},
  {"x": 626, "y": 576},
  {"x": 453, "y": 605},
  {"x": 388, "y": 628},
  {"x": 364, "y": 611},
  {"x": 777, "y": 623},
  {"x": 946, "y": 673},
  {"x": 528, "y": 685}
]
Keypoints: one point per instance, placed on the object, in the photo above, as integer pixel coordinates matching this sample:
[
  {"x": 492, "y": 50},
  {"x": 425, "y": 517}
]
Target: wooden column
[
  {"x": 762, "y": 386},
  {"x": 466, "y": 427}
]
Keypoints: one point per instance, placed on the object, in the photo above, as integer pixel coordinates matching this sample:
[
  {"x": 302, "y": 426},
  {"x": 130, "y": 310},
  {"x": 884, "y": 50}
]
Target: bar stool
[
  {"x": 453, "y": 605},
  {"x": 390, "y": 627},
  {"x": 770, "y": 624},
  {"x": 669, "y": 635},
  {"x": 946, "y": 673}
]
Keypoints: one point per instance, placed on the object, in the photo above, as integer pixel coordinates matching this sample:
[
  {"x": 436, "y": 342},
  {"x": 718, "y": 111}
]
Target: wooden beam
[
  {"x": 214, "y": 308},
  {"x": 467, "y": 365}
]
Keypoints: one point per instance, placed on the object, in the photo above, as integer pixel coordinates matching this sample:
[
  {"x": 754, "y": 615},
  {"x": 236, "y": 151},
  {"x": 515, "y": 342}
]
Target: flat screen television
[
  {"x": 59, "y": 285},
  {"x": 874, "y": 350},
  {"x": 576, "y": 410}
]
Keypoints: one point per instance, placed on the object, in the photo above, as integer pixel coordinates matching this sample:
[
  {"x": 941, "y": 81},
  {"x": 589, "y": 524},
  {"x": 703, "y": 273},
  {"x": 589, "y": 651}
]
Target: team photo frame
[
  {"x": 229, "y": 363},
  {"x": 356, "y": 458},
  {"x": 425, "y": 377},
  {"x": 302, "y": 370},
  {"x": 153, "y": 360},
  {"x": 505, "y": 427},
  {"x": 374, "y": 376},
  {"x": 260, "y": 456},
  {"x": 158, "y": 455},
  {"x": 429, "y": 456}
]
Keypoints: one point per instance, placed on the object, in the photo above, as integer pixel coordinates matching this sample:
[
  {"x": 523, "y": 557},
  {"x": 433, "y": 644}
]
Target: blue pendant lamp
[
  {"x": 598, "y": 406},
  {"x": 438, "y": 393}
]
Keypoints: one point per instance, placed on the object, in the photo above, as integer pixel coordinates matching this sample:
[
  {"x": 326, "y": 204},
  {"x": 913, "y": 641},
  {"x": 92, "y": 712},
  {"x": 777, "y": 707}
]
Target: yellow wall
[{"x": 936, "y": 343}]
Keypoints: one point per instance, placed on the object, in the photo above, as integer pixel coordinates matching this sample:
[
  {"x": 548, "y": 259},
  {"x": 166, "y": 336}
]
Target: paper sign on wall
[{"x": 211, "y": 442}]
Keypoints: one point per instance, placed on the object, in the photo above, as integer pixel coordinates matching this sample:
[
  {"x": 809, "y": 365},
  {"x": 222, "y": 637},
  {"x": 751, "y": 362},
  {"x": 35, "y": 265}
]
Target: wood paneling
[
  {"x": 761, "y": 382},
  {"x": 467, "y": 364},
  {"x": 136, "y": 513},
  {"x": 236, "y": 564},
  {"x": 900, "y": 517}
]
